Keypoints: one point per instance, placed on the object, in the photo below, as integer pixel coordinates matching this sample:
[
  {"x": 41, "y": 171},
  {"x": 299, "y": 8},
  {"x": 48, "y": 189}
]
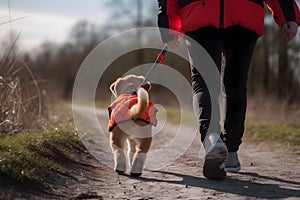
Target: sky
[{"x": 48, "y": 20}]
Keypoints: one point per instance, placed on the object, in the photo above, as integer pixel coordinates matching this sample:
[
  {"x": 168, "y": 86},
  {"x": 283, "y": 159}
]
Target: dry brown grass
[
  {"x": 268, "y": 109},
  {"x": 21, "y": 98}
]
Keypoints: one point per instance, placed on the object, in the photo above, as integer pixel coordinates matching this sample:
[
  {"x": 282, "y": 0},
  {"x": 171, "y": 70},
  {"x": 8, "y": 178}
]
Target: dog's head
[{"x": 128, "y": 83}]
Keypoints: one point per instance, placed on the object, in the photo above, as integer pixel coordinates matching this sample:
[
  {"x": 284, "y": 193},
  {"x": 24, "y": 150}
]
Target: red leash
[{"x": 159, "y": 60}]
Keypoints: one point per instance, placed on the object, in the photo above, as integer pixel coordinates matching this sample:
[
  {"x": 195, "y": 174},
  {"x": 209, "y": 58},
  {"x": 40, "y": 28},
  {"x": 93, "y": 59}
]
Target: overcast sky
[{"x": 49, "y": 20}]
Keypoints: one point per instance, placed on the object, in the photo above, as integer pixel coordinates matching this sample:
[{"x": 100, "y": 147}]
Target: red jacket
[
  {"x": 190, "y": 15},
  {"x": 119, "y": 111}
]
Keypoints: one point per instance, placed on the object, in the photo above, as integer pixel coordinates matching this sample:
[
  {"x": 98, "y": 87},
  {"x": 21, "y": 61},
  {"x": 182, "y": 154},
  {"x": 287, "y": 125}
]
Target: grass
[
  {"x": 285, "y": 134},
  {"x": 22, "y": 102},
  {"x": 29, "y": 158},
  {"x": 102, "y": 104},
  {"x": 174, "y": 115},
  {"x": 274, "y": 132},
  {"x": 258, "y": 131}
]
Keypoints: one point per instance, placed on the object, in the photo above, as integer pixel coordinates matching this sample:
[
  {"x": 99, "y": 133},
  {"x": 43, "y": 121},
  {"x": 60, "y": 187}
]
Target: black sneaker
[
  {"x": 232, "y": 163},
  {"x": 216, "y": 155}
]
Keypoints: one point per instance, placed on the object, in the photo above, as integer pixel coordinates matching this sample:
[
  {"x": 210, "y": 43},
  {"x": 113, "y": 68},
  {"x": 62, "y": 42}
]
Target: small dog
[{"x": 131, "y": 116}]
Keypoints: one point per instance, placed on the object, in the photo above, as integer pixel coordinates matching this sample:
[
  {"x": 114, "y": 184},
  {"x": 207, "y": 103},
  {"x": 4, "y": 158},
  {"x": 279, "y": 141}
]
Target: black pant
[{"x": 231, "y": 50}]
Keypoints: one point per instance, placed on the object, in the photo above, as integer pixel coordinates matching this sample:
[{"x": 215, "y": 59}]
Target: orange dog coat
[{"x": 120, "y": 107}]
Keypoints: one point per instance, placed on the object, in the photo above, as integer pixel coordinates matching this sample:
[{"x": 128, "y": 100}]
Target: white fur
[
  {"x": 133, "y": 109},
  {"x": 142, "y": 96},
  {"x": 120, "y": 160},
  {"x": 138, "y": 163}
]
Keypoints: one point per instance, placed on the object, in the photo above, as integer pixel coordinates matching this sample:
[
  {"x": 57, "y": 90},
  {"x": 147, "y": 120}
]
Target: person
[{"x": 228, "y": 30}]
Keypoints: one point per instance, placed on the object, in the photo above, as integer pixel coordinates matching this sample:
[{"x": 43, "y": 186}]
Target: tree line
[{"x": 274, "y": 70}]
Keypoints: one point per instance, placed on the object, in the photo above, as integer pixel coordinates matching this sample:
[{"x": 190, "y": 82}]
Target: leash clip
[{"x": 161, "y": 58}]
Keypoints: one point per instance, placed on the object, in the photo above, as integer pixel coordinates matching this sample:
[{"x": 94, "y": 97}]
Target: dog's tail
[{"x": 141, "y": 106}]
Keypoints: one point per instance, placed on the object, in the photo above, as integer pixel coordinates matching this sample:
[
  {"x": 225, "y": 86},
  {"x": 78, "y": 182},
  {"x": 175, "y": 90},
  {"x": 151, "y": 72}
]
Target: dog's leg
[
  {"x": 142, "y": 148},
  {"x": 117, "y": 140},
  {"x": 131, "y": 151}
]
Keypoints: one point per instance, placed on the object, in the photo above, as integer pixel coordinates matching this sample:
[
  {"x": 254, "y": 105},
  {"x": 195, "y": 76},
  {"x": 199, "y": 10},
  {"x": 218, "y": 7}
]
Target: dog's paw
[
  {"x": 135, "y": 174},
  {"x": 120, "y": 172}
]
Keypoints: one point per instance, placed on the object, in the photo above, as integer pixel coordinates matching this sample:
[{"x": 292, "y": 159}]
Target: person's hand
[
  {"x": 290, "y": 30},
  {"x": 174, "y": 43}
]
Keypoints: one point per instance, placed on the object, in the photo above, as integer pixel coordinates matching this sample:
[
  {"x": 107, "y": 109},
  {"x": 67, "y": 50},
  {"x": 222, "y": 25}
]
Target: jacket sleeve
[
  {"x": 168, "y": 19},
  {"x": 284, "y": 10}
]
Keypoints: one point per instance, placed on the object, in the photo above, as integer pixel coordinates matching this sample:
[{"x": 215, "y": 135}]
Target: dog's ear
[
  {"x": 114, "y": 87},
  {"x": 147, "y": 86}
]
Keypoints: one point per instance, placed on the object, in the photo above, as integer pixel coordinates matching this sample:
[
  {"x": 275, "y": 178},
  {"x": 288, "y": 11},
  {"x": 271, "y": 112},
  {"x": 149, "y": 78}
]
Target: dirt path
[{"x": 267, "y": 173}]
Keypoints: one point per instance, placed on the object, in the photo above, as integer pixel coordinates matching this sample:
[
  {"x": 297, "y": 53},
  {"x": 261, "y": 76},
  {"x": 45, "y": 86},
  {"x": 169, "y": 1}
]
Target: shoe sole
[
  {"x": 233, "y": 169},
  {"x": 213, "y": 167}
]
